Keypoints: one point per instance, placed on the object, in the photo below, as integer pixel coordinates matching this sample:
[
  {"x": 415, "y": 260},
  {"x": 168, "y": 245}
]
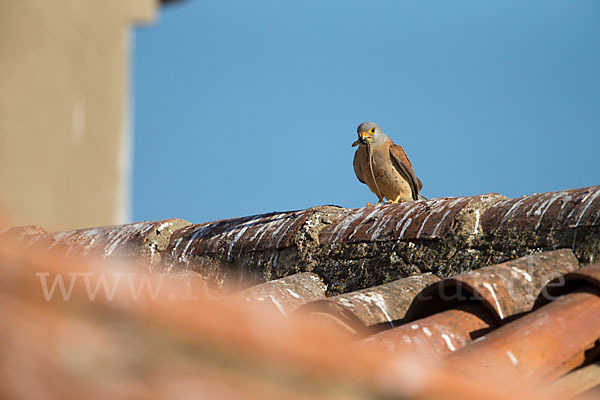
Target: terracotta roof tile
[
  {"x": 137, "y": 241},
  {"x": 448, "y": 314},
  {"x": 559, "y": 336},
  {"x": 437, "y": 335},
  {"x": 534, "y": 318},
  {"x": 550, "y": 211},
  {"x": 239, "y": 235},
  {"x": 578, "y": 381},
  {"x": 249, "y": 243},
  {"x": 20, "y": 232},
  {"x": 285, "y": 295},
  {"x": 538, "y": 347},
  {"x": 504, "y": 290},
  {"x": 366, "y": 310},
  {"x": 348, "y": 248},
  {"x": 553, "y": 220},
  {"x": 196, "y": 347},
  {"x": 586, "y": 276},
  {"x": 430, "y": 219}
]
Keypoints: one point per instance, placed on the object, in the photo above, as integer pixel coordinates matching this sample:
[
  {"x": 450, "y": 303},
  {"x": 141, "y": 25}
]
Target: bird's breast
[{"x": 384, "y": 177}]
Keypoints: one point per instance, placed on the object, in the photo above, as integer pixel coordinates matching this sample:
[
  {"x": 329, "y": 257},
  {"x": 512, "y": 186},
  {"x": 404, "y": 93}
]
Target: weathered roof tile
[
  {"x": 448, "y": 314},
  {"x": 505, "y": 289},
  {"x": 437, "y": 335},
  {"x": 141, "y": 241},
  {"x": 251, "y": 246},
  {"x": 363, "y": 310},
  {"x": 20, "y": 232},
  {"x": 538, "y": 347},
  {"x": 430, "y": 219},
  {"x": 561, "y": 285},
  {"x": 479, "y": 317},
  {"x": 285, "y": 295},
  {"x": 568, "y": 218},
  {"x": 546, "y": 211}
]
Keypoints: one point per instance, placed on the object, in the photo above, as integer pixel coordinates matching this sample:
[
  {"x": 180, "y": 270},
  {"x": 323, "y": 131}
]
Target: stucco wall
[{"x": 64, "y": 115}]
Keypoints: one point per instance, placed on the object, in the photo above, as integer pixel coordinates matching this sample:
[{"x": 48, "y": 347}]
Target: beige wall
[{"x": 64, "y": 117}]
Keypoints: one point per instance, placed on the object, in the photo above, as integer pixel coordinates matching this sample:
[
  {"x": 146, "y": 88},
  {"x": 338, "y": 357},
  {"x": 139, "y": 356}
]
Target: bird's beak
[{"x": 363, "y": 138}]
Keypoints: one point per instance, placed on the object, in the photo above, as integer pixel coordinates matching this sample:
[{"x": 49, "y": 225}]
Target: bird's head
[{"x": 369, "y": 133}]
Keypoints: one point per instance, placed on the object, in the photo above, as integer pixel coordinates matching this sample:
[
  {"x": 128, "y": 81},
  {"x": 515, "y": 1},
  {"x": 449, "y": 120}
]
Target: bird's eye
[{"x": 372, "y": 130}]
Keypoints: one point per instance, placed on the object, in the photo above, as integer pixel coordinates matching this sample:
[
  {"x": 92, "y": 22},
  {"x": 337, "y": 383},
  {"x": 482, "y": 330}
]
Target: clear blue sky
[{"x": 244, "y": 107}]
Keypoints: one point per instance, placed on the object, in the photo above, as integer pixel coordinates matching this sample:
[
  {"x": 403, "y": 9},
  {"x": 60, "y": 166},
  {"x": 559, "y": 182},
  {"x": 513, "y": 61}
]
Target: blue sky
[{"x": 244, "y": 107}]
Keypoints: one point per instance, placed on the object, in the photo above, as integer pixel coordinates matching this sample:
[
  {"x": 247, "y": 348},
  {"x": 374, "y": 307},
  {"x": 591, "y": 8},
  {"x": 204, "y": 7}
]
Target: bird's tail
[{"x": 421, "y": 197}]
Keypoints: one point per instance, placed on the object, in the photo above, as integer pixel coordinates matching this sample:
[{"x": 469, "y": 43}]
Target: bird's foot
[
  {"x": 376, "y": 204},
  {"x": 396, "y": 200}
]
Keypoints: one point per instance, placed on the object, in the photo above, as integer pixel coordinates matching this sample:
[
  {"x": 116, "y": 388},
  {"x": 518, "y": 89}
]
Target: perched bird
[{"x": 384, "y": 167}]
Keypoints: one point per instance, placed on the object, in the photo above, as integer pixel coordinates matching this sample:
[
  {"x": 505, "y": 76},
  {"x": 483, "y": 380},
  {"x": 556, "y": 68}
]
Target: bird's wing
[
  {"x": 404, "y": 166},
  {"x": 357, "y": 169}
]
